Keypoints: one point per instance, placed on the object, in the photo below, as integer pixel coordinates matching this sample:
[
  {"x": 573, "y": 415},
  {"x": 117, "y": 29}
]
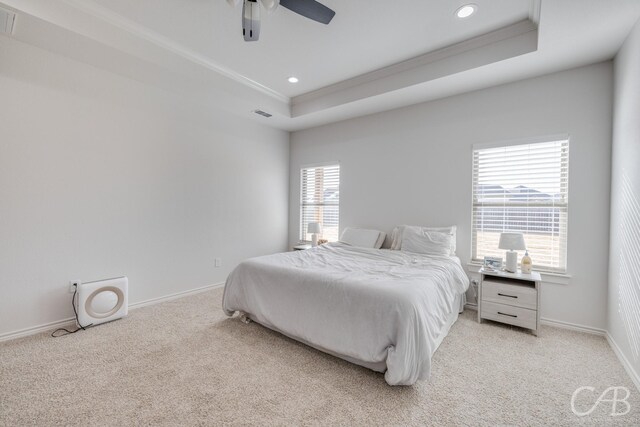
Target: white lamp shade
[
  {"x": 314, "y": 228},
  {"x": 512, "y": 241}
]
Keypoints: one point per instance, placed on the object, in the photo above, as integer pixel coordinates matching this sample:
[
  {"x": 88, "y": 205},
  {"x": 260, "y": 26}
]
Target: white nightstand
[{"x": 512, "y": 298}]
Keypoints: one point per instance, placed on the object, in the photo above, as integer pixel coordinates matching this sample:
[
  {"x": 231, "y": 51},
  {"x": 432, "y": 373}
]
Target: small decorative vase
[{"x": 525, "y": 264}]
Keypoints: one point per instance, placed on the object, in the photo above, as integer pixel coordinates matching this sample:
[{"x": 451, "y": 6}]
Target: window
[
  {"x": 320, "y": 200},
  {"x": 522, "y": 188}
]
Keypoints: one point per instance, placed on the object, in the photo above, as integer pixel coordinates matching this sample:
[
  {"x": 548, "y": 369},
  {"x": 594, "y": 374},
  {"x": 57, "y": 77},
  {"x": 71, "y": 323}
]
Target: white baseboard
[
  {"x": 572, "y": 326},
  {"x": 70, "y": 322},
  {"x": 174, "y": 296},
  {"x": 556, "y": 323},
  {"x": 624, "y": 361},
  {"x": 64, "y": 323}
]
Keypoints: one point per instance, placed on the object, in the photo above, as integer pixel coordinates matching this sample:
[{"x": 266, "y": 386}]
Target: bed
[{"x": 382, "y": 309}]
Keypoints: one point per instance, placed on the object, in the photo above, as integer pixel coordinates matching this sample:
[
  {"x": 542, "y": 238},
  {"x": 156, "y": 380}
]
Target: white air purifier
[{"x": 102, "y": 301}]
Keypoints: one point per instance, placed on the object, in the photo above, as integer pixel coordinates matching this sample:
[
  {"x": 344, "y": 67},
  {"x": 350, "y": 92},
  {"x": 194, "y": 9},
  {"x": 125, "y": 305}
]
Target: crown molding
[
  {"x": 504, "y": 43},
  {"x": 510, "y": 31},
  {"x": 118, "y": 21}
]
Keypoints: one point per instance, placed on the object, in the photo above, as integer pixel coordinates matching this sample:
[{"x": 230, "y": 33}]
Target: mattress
[{"x": 385, "y": 310}]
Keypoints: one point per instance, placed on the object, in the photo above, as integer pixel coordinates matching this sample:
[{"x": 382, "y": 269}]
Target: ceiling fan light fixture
[
  {"x": 270, "y": 5},
  {"x": 293, "y": 79},
  {"x": 466, "y": 11},
  {"x": 251, "y": 13}
]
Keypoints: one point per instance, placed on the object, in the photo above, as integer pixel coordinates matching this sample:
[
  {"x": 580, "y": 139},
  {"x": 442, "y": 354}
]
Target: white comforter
[{"x": 373, "y": 307}]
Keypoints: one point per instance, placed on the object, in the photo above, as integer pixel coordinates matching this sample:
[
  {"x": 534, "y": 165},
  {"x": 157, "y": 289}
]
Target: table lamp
[
  {"x": 512, "y": 242},
  {"x": 314, "y": 228}
]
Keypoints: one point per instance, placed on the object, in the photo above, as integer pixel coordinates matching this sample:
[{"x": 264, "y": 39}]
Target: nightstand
[
  {"x": 301, "y": 247},
  {"x": 512, "y": 298}
]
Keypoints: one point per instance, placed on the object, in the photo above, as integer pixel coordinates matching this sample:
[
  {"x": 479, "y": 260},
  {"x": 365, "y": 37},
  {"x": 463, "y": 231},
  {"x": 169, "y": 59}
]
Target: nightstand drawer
[
  {"x": 516, "y": 316},
  {"x": 504, "y": 293}
]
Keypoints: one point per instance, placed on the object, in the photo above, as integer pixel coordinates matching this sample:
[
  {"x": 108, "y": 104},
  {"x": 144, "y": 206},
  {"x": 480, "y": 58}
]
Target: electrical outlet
[
  {"x": 218, "y": 262},
  {"x": 73, "y": 285}
]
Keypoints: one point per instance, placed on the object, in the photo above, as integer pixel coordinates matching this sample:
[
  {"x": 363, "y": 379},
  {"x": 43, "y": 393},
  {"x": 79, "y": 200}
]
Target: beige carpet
[{"x": 184, "y": 363}]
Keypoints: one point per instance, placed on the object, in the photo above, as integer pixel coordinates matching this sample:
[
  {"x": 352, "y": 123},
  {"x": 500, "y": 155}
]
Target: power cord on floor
[
  {"x": 75, "y": 311},
  {"x": 474, "y": 286}
]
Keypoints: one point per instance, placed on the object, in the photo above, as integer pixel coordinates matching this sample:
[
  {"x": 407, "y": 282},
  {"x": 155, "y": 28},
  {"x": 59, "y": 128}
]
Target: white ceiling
[
  {"x": 196, "y": 47},
  {"x": 362, "y": 37}
]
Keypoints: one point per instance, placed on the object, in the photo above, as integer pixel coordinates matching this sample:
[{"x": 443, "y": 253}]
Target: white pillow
[
  {"x": 396, "y": 235},
  {"x": 425, "y": 241},
  {"x": 361, "y": 237},
  {"x": 451, "y": 230},
  {"x": 380, "y": 240}
]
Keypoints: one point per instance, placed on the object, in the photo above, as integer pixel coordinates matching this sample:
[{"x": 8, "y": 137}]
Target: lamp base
[
  {"x": 512, "y": 262},
  {"x": 314, "y": 239}
]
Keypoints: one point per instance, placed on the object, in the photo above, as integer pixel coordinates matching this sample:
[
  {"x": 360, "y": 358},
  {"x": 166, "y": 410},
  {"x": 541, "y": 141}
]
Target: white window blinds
[
  {"x": 522, "y": 188},
  {"x": 320, "y": 200}
]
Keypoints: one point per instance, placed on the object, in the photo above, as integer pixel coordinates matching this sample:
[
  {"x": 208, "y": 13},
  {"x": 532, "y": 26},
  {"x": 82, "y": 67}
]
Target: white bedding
[{"x": 378, "y": 308}]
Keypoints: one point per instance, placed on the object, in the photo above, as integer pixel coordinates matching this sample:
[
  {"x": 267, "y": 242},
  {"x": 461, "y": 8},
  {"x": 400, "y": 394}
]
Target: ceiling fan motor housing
[{"x": 251, "y": 20}]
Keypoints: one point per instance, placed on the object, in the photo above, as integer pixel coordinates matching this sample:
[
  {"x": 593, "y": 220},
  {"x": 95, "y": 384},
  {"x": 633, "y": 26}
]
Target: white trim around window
[
  {"x": 522, "y": 186},
  {"x": 320, "y": 199}
]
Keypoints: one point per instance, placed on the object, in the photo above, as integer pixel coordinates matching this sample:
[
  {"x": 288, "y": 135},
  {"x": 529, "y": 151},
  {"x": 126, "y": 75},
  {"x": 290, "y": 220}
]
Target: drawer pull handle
[
  {"x": 510, "y": 315},
  {"x": 505, "y": 295}
]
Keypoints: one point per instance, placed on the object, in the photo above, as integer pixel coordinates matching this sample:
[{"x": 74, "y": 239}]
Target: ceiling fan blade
[{"x": 310, "y": 9}]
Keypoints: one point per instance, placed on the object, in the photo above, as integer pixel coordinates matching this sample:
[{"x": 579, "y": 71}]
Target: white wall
[
  {"x": 102, "y": 176},
  {"x": 413, "y": 166},
  {"x": 624, "y": 267}
]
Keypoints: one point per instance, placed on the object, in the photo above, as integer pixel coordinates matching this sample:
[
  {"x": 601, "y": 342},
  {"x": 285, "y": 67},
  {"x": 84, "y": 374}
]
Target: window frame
[
  {"x": 301, "y": 235},
  {"x": 474, "y": 256}
]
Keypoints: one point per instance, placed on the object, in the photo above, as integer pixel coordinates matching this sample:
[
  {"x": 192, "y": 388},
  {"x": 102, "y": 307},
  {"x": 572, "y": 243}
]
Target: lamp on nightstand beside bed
[
  {"x": 314, "y": 228},
  {"x": 512, "y": 242}
]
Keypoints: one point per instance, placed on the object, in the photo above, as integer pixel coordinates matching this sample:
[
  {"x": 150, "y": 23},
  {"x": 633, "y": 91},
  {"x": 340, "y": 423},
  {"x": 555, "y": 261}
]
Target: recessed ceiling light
[
  {"x": 466, "y": 11},
  {"x": 293, "y": 80}
]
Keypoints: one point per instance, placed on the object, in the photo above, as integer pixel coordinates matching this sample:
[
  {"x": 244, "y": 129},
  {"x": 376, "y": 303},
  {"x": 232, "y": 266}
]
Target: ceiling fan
[{"x": 251, "y": 13}]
